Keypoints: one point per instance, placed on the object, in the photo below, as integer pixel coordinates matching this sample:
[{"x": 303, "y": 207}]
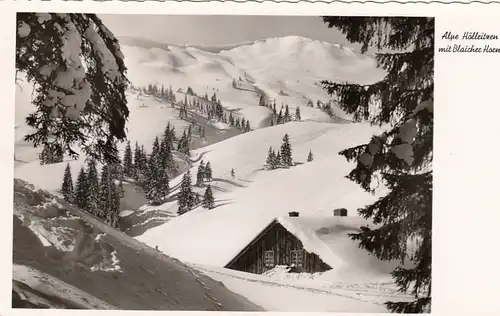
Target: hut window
[
  {"x": 297, "y": 257},
  {"x": 269, "y": 258}
]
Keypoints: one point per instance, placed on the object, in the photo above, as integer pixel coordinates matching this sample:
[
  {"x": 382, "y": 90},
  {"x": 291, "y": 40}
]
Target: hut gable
[
  {"x": 310, "y": 244},
  {"x": 275, "y": 245}
]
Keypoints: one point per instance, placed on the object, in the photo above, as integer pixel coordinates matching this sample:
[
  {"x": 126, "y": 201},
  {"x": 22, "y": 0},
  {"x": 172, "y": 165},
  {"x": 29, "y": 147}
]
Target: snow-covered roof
[{"x": 328, "y": 238}]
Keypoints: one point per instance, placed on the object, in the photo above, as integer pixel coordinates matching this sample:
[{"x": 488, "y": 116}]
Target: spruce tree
[
  {"x": 270, "y": 158},
  {"x": 81, "y": 190},
  {"x": 208, "y": 198},
  {"x": 310, "y": 157},
  {"x": 231, "y": 119},
  {"x": 262, "y": 101},
  {"x": 185, "y": 198},
  {"x": 128, "y": 164},
  {"x": 286, "y": 151},
  {"x": 182, "y": 142},
  {"x": 200, "y": 175},
  {"x": 287, "y": 117},
  {"x": 137, "y": 161},
  {"x": 208, "y": 172},
  {"x": 105, "y": 193},
  {"x": 402, "y": 156},
  {"x": 112, "y": 215},
  {"x": 278, "y": 162},
  {"x": 92, "y": 181},
  {"x": 279, "y": 120},
  {"x": 51, "y": 154},
  {"x": 297, "y": 114},
  {"x": 92, "y": 109},
  {"x": 67, "y": 185}
]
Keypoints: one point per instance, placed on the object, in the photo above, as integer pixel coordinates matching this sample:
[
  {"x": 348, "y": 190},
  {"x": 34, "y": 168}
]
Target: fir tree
[
  {"x": 262, "y": 101},
  {"x": 270, "y": 158},
  {"x": 81, "y": 190},
  {"x": 232, "y": 173},
  {"x": 137, "y": 161},
  {"x": 310, "y": 157},
  {"x": 92, "y": 181},
  {"x": 286, "y": 151},
  {"x": 185, "y": 198},
  {"x": 51, "y": 154},
  {"x": 208, "y": 172},
  {"x": 402, "y": 156},
  {"x": 67, "y": 185},
  {"x": 200, "y": 175},
  {"x": 287, "y": 117},
  {"x": 128, "y": 164},
  {"x": 297, "y": 114},
  {"x": 208, "y": 198},
  {"x": 278, "y": 162},
  {"x": 93, "y": 109},
  {"x": 112, "y": 217},
  {"x": 231, "y": 119},
  {"x": 279, "y": 120},
  {"x": 105, "y": 194}
]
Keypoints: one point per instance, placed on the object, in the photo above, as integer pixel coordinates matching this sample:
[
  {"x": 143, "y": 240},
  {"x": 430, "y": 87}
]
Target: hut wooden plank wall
[{"x": 276, "y": 246}]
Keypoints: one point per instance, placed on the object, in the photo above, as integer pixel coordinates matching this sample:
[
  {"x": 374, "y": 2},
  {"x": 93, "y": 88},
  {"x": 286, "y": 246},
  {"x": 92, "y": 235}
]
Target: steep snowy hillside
[
  {"x": 65, "y": 258},
  {"x": 287, "y": 69},
  {"x": 246, "y": 204}
]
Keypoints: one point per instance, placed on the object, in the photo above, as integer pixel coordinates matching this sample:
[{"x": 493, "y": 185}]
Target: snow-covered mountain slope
[
  {"x": 247, "y": 204},
  {"x": 287, "y": 69},
  {"x": 66, "y": 255}
]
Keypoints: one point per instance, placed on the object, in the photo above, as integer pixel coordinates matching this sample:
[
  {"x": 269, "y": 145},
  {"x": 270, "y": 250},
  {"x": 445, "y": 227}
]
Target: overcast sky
[{"x": 219, "y": 29}]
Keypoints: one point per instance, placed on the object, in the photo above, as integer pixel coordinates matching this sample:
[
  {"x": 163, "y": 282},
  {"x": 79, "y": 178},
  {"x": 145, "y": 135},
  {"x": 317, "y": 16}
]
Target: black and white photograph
[{"x": 223, "y": 162}]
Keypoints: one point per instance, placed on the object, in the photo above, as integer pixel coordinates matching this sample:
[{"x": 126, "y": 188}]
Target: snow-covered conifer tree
[
  {"x": 402, "y": 156},
  {"x": 286, "y": 151},
  {"x": 80, "y": 78},
  {"x": 67, "y": 185},
  {"x": 81, "y": 190},
  {"x": 208, "y": 198},
  {"x": 208, "y": 172}
]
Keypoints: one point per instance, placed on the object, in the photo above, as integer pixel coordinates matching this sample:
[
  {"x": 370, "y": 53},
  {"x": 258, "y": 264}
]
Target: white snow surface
[
  {"x": 247, "y": 204},
  {"x": 287, "y": 69},
  {"x": 328, "y": 238},
  {"x": 111, "y": 264},
  {"x": 281, "y": 291},
  {"x": 126, "y": 213}
]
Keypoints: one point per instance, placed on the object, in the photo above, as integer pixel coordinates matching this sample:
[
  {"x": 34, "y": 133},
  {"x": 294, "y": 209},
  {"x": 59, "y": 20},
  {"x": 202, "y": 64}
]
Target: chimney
[
  {"x": 340, "y": 212},
  {"x": 293, "y": 214}
]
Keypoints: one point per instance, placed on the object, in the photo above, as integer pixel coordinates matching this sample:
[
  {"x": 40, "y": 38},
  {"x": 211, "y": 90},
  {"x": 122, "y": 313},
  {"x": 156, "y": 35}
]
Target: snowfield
[
  {"x": 247, "y": 204},
  {"x": 287, "y": 69}
]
